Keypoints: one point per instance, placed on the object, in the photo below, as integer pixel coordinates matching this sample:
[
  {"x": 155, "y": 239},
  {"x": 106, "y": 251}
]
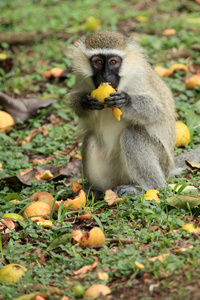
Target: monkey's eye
[
  {"x": 113, "y": 62},
  {"x": 99, "y": 62}
]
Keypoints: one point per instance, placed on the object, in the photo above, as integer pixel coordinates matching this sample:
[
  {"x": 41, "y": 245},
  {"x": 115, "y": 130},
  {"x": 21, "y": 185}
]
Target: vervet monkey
[{"x": 138, "y": 150}]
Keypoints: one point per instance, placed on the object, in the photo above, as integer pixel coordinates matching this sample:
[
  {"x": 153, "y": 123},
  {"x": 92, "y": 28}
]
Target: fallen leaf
[
  {"x": 23, "y": 109},
  {"x": 182, "y": 201},
  {"x": 60, "y": 240},
  {"x": 159, "y": 257},
  {"x": 43, "y": 129},
  {"x": 72, "y": 169},
  {"x": 183, "y": 249},
  {"x": 112, "y": 198},
  {"x": 192, "y": 165},
  {"x": 87, "y": 268}
]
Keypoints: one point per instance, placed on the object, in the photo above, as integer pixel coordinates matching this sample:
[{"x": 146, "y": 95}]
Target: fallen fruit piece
[
  {"x": 15, "y": 201},
  {"x": 76, "y": 187},
  {"x": 12, "y": 273},
  {"x": 169, "y": 31},
  {"x": 46, "y": 175},
  {"x": 36, "y": 210},
  {"x": 94, "y": 238},
  {"x": 139, "y": 265},
  {"x": 6, "y": 121},
  {"x": 102, "y": 275},
  {"x": 103, "y": 91},
  {"x": 45, "y": 223},
  {"x": 42, "y": 196},
  {"x": 94, "y": 291},
  {"x": 55, "y": 72},
  {"x": 78, "y": 290},
  {"x": 180, "y": 67},
  {"x": 76, "y": 204},
  {"x": 190, "y": 228},
  {"x": 193, "y": 81},
  {"x": 152, "y": 194},
  {"x": 163, "y": 72},
  {"x": 13, "y": 216},
  {"x": 92, "y": 24},
  {"x": 182, "y": 135}
]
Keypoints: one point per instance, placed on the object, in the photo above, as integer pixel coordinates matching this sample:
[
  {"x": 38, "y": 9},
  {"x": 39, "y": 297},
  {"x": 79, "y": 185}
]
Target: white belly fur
[{"x": 104, "y": 155}]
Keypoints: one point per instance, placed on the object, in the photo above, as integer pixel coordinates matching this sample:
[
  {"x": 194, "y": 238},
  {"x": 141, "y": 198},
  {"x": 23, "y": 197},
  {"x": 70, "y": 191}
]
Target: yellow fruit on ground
[
  {"x": 92, "y": 24},
  {"x": 94, "y": 238},
  {"x": 78, "y": 203},
  {"x": 37, "y": 211},
  {"x": 102, "y": 92},
  {"x": 152, "y": 194},
  {"x": 12, "y": 273},
  {"x": 46, "y": 175},
  {"x": 6, "y": 121},
  {"x": 94, "y": 291},
  {"x": 182, "y": 135}
]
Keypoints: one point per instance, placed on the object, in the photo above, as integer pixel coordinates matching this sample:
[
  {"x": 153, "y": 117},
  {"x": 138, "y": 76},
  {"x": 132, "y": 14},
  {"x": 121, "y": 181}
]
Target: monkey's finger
[
  {"x": 112, "y": 102},
  {"x": 95, "y": 104}
]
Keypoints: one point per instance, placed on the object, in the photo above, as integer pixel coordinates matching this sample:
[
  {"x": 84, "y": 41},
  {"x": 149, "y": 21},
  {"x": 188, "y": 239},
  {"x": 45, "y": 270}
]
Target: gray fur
[{"x": 138, "y": 150}]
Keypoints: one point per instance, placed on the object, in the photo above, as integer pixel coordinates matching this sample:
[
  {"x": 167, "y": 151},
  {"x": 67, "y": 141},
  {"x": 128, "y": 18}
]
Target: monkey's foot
[{"x": 127, "y": 189}]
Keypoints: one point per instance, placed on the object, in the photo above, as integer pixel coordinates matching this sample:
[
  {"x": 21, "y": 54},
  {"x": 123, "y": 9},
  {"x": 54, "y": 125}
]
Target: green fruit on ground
[
  {"x": 78, "y": 290},
  {"x": 12, "y": 273}
]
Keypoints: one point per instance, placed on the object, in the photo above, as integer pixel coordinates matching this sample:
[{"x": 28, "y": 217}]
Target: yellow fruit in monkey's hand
[
  {"x": 6, "y": 121},
  {"x": 104, "y": 91},
  {"x": 182, "y": 135},
  {"x": 117, "y": 113}
]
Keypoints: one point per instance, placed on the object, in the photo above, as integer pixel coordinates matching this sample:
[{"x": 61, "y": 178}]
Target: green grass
[{"x": 153, "y": 228}]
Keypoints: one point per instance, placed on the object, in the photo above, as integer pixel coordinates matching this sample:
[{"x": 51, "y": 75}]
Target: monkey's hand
[
  {"x": 89, "y": 102},
  {"x": 118, "y": 99}
]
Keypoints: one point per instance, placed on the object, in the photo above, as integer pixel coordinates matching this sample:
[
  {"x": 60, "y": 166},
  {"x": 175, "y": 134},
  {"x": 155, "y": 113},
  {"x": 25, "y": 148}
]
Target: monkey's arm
[{"x": 140, "y": 107}]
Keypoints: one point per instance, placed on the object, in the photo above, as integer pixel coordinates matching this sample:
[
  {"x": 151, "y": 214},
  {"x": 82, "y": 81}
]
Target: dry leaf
[
  {"x": 87, "y": 268},
  {"x": 72, "y": 169},
  {"x": 112, "y": 198},
  {"x": 159, "y": 257},
  {"x": 23, "y": 109},
  {"x": 43, "y": 129}
]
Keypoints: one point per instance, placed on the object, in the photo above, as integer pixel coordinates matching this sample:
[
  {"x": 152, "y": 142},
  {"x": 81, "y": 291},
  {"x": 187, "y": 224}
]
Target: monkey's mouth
[{"x": 108, "y": 83}]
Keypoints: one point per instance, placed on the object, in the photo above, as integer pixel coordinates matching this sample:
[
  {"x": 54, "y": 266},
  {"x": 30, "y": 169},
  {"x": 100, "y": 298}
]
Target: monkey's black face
[{"x": 106, "y": 69}]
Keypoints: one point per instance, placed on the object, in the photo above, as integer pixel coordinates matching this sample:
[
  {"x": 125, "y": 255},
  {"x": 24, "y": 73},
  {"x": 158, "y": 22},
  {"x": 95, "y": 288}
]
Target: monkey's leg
[
  {"x": 96, "y": 165},
  {"x": 142, "y": 157}
]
